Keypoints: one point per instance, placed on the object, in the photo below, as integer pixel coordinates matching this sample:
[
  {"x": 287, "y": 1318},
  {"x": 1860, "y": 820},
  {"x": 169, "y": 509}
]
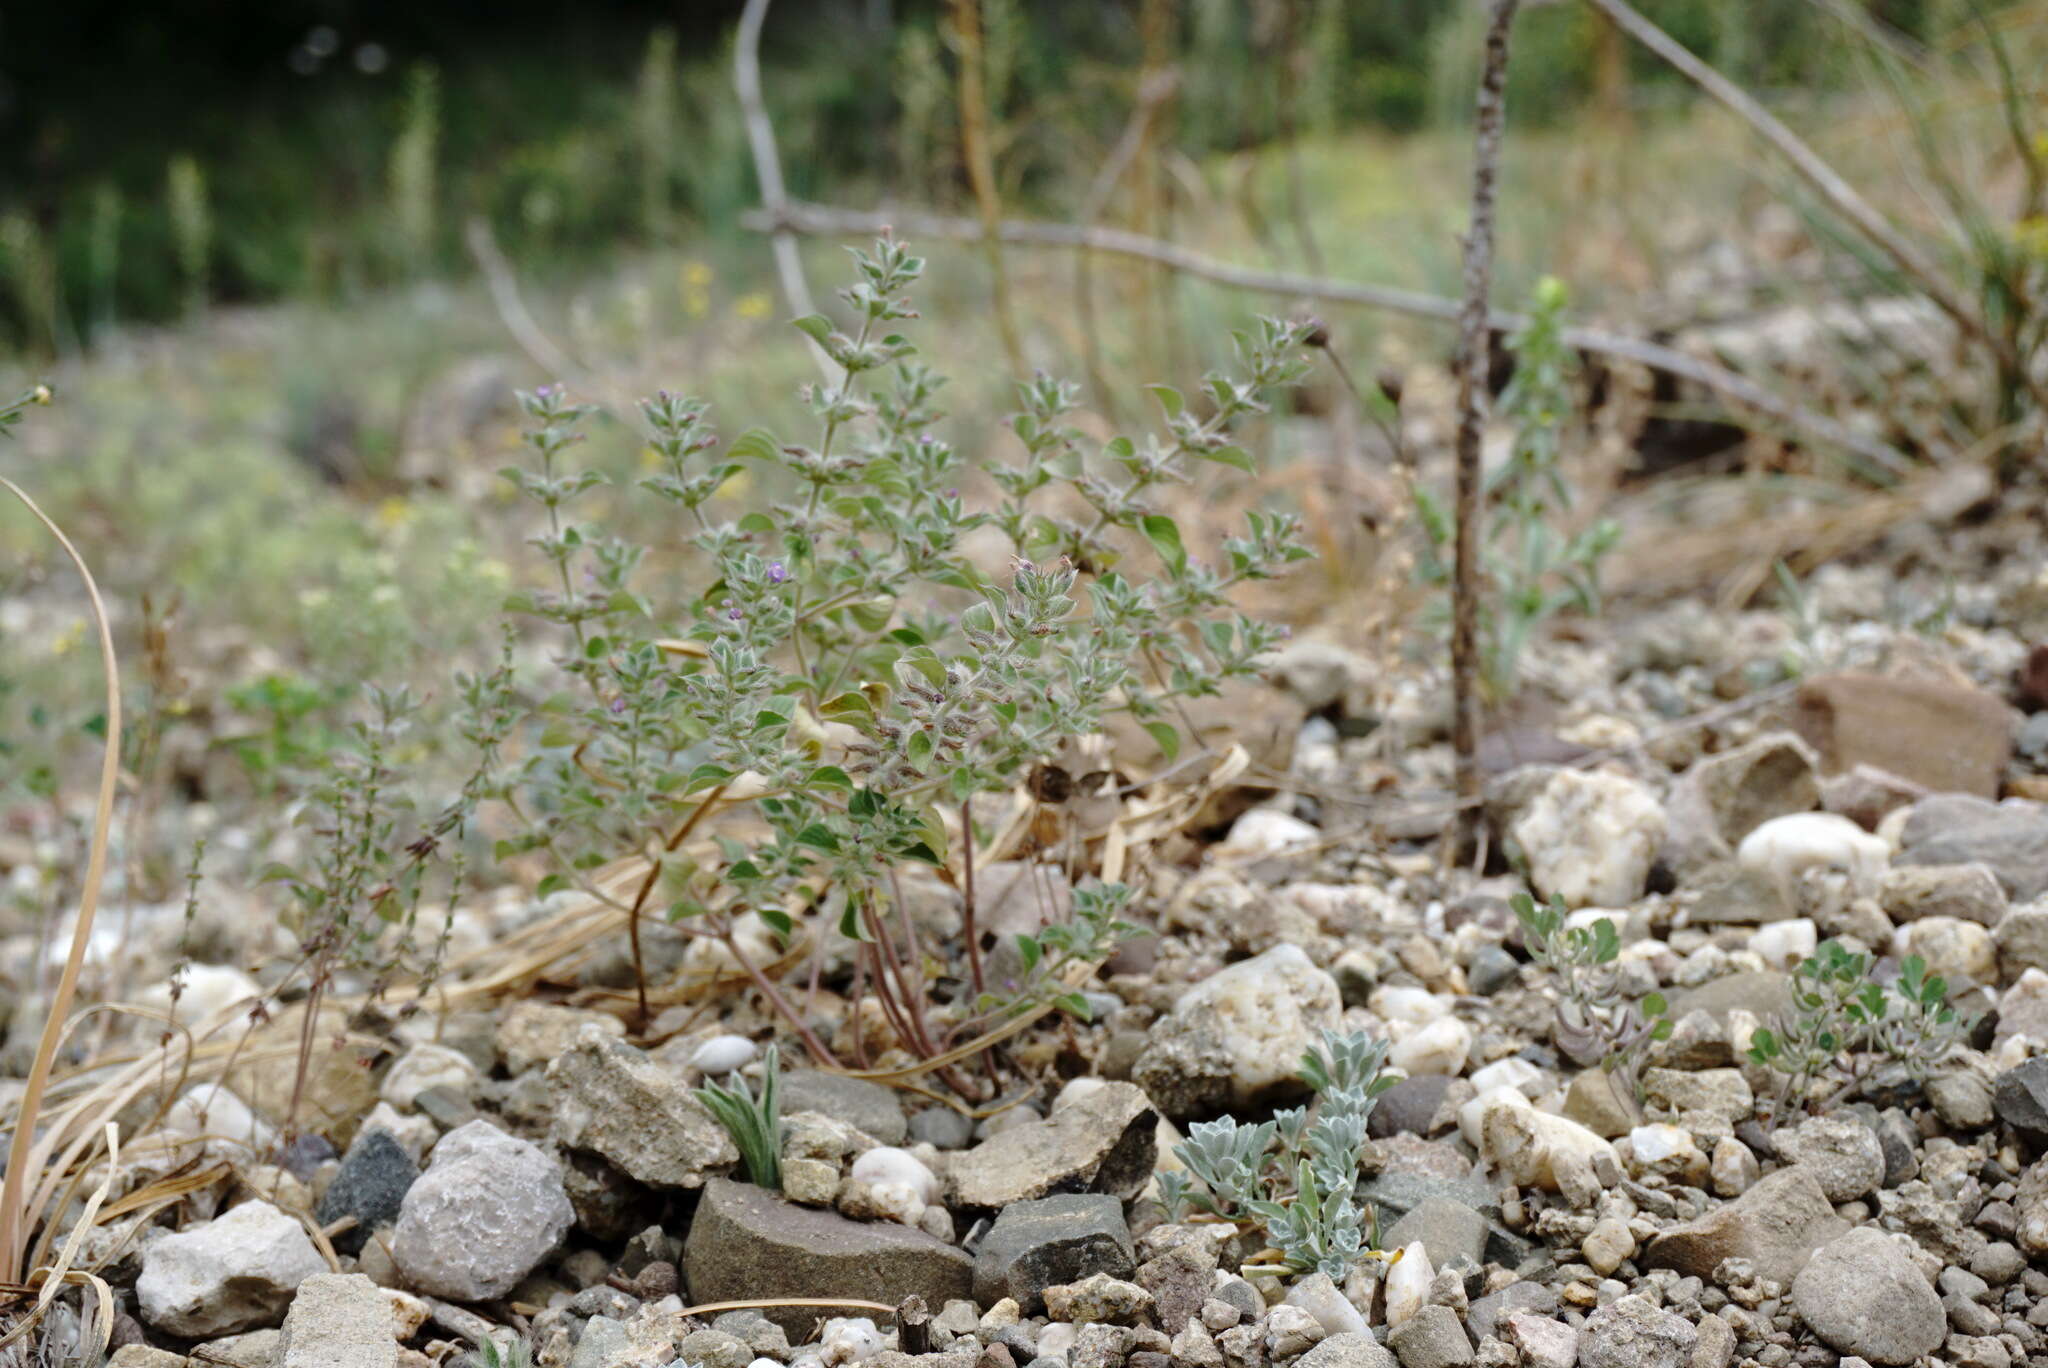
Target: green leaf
[
  {"x": 927, "y": 663},
  {"x": 758, "y": 523},
  {"x": 1169, "y": 399},
  {"x": 1234, "y": 457},
  {"x": 1030, "y": 951},
  {"x": 818, "y": 836},
  {"x": 919, "y": 750},
  {"x": 1166, "y": 738},
  {"x": 1654, "y": 1005},
  {"x": 830, "y": 776},
  {"x": 706, "y": 776},
  {"x": 1164, "y": 534},
  {"x": 756, "y": 444},
  {"x": 817, "y": 327},
  {"x": 847, "y": 707},
  {"x": 918, "y": 850},
  {"x": 873, "y": 615},
  {"x": 553, "y": 883}
]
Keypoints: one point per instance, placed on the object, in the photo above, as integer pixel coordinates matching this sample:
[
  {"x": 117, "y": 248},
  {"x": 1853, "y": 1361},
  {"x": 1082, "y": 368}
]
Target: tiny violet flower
[
  {"x": 776, "y": 573},
  {"x": 618, "y": 705}
]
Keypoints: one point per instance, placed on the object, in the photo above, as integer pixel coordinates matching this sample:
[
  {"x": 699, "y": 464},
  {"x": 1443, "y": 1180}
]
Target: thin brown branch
[
  {"x": 1474, "y": 356},
  {"x": 1738, "y": 391},
  {"x": 981, "y": 172}
]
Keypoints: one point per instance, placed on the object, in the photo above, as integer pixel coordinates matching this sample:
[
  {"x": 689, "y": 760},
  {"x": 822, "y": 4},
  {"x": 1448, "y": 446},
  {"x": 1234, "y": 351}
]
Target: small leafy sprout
[
  {"x": 1093, "y": 933},
  {"x": 490, "y": 1353},
  {"x": 1595, "y": 1022},
  {"x": 753, "y": 1121},
  {"x": 1303, "y": 1191}
]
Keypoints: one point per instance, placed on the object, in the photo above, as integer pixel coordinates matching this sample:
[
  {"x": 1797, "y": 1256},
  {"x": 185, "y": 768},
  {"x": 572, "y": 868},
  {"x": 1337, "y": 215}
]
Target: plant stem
[{"x": 1473, "y": 355}]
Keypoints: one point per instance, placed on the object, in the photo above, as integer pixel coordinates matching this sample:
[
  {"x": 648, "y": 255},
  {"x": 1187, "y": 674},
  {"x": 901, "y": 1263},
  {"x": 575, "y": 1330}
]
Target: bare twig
[
  {"x": 16, "y": 1218},
  {"x": 1826, "y": 181},
  {"x": 746, "y": 80},
  {"x": 981, "y": 172},
  {"x": 1738, "y": 391},
  {"x": 1474, "y": 355}
]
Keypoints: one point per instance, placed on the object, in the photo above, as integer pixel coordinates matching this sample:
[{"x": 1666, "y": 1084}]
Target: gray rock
[
  {"x": 1491, "y": 970},
  {"x": 530, "y": 1034},
  {"x": 1236, "y": 1039},
  {"x": 1394, "y": 1194},
  {"x": 1969, "y": 892},
  {"x": 1105, "y": 1141},
  {"x": 1431, "y": 1338},
  {"x": 1348, "y": 1350},
  {"x": 616, "y": 1102},
  {"x": 1841, "y": 1152},
  {"x": 1759, "y": 991},
  {"x": 373, "y": 1179},
  {"x": 1955, "y": 828},
  {"x": 488, "y": 1209},
  {"x": 1776, "y": 1225},
  {"x": 1962, "y": 1098},
  {"x": 1445, "y": 1227},
  {"x": 602, "y": 1344},
  {"x": 745, "y": 1243},
  {"x": 2020, "y": 1096},
  {"x": 338, "y": 1320},
  {"x": 1861, "y": 1294},
  {"x": 2022, "y": 939},
  {"x": 1724, "y": 797},
  {"x": 1488, "y": 1314},
  {"x": 1631, "y": 1332},
  {"x": 1044, "y": 1243},
  {"x": 234, "y": 1272},
  {"x": 1411, "y": 1107},
  {"x": 1179, "y": 1281},
  {"x": 870, "y": 1107},
  {"x": 609, "y": 1206},
  {"x": 941, "y": 1128}
]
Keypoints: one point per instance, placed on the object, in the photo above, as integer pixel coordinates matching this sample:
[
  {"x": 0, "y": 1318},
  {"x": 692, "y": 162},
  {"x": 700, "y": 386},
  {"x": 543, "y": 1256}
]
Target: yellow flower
[
  {"x": 696, "y": 275},
  {"x": 650, "y": 459},
  {"x": 755, "y": 305},
  {"x": 68, "y": 641},
  {"x": 393, "y": 513}
]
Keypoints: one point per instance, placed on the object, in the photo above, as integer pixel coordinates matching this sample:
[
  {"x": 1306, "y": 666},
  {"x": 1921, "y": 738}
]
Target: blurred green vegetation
[{"x": 313, "y": 162}]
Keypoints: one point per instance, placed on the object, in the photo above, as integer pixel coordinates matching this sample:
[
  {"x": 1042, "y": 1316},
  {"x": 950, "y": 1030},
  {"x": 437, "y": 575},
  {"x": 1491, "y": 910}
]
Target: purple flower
[
  {"x": 619, "y": 704},
  {"x": 776, "y": 573},
  {"x": 735, "y": 613}
]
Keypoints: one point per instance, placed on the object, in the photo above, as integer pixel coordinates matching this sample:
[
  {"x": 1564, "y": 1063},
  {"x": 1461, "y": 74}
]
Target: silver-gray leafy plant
[{"x": 1302, "y": 1190}]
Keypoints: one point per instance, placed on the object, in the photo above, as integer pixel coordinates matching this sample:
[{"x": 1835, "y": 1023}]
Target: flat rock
[
  {"x": 1776, "y": 1225},
  {"x": 1950, "y": 738},
  {"x": 1970, "y": 892},
  {"x": 1413, "y": 1106},
  {"x": 1842, "y": 1153},
  {"x": 1045, "y": 1243},
  {"x": 747, "y": 1243},
  {"x": 338, "y": 1320},
  {"x": 869, "y": 1107},
  {"x": 614, "y": 1101},
  {"x": 1235, "y": 1040},
  {"x": 234, "y": 1272},
  {"x": 488, "y": 1209},
  {"x": 2011, "y": 837},
  {"x": 1863, "y": 1295},
  {"x": 532, "y": 1033},
  {"x": 1348, "y": 1350},
  {"x": 1758, "y": 991},
  {"x": 1104, "y": 1141},
  {"x": 1431, "y": 1338}
]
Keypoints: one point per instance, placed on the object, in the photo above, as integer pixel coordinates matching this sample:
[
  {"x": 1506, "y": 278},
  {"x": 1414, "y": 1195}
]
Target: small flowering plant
[{"x": 845, "y": 669}]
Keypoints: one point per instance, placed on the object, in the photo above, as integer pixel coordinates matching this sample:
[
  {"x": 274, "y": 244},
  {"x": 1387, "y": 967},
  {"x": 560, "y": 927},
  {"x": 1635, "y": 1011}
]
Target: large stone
[
  {"x": 1957, "y": 950},
  {"x": 1724, "y": 797},
  {"x": 1393, "y": 1195},
  {"x": 1968, "y": 891},
  {"x": 1348, "y": 1350},
  {"x": 488, "y": 1209},
  {"x": 1431, "y": 1338},
  {"x": 1045, "y": 1243},
  {"x": 532, "y": 1033},
  {"x": 2020, "y": 1097},
  {"x": 1776, "y": 1225},
  {"x": 2011, "y": 837},
  {"x": 1590, "y": 837},
  {"x": 1444, "y": 1227},
  {"x": 748, "y": 1243},
  {"x": 868, "y": 1107},
  {"x": 1756, "y": 991},
  {"x": 2022, "y": 941},
  {"x": 1236, "y": 1039},
  {"x": 1863, "y": 1295},
  {"x": 374, "y": 1177},
  {"x": 232, "y": 1273},
  {"x": 1105, "y": 1141},
  {"x": 1633, "y": 1332},
  {"x": 339, "y": 1083},
  {"x": 1951, "y": 738},
  {"x": 1841, "y": 1152},
  {"x": 339, "y": 1321},
  {"x": 616, "y": 1102}
]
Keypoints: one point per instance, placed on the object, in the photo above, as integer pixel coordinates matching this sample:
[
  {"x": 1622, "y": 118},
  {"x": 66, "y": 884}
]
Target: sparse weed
[
  {"x": 754, "y": 1120},
  {"x": 1596, "y": 1023}
]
